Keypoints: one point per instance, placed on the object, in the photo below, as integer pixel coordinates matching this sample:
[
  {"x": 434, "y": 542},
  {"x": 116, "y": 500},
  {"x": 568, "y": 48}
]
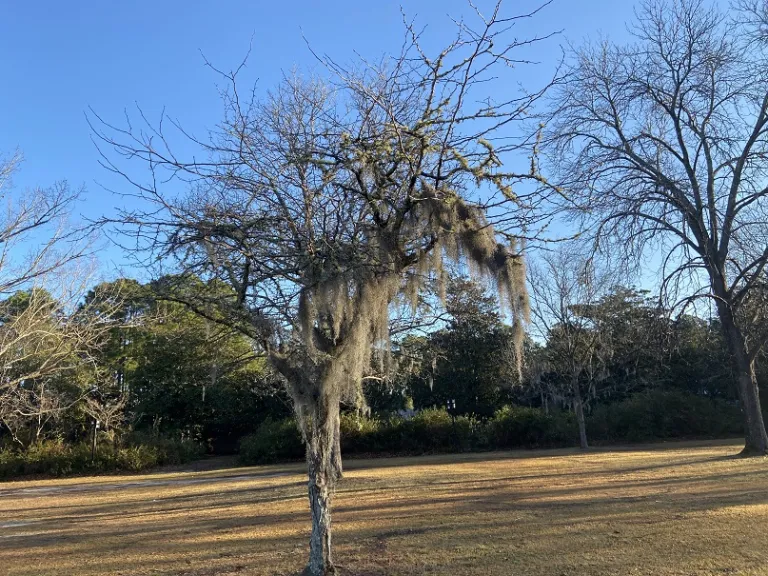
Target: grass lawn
[{"x": 683, "y": 509}]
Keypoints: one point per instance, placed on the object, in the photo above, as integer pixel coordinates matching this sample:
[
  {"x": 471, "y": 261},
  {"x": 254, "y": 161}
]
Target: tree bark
[
  {"x": 338, "y": 468},
  {"x": 578, "y": 407},
  {"x": 756, "y": 441},
  {"x": 320, "y": 494},
  {"x": 322, "y": 453}
]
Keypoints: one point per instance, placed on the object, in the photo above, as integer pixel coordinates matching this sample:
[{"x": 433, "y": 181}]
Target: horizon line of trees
[{"x": 160, "y": 369}]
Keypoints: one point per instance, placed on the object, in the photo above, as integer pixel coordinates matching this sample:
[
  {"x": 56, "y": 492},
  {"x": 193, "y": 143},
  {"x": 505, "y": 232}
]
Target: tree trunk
[
  {"x": 320, "y": 493},
  {"x": 756, "y": 441},
  {"x": 338, "y": 468},
  {"x": 578, "y": 407},
  {"x": 324, "y": 464}
]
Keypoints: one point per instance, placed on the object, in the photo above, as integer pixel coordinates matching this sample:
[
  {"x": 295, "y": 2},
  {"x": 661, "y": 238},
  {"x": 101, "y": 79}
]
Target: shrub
[
  {"x": 135, "y": 458},
  {"x": 361, "y": 435},
  {"x": 167, "y": 451},
  {"x": 664, "y": 414},
  {"x": 56, "y": 458},
  {"x": 648, "y": 416},
  {"x": 521, "y": 427},
  {"x": 273, "y": 441},
  {"x": 428, "y": 431},
  {"x": 434, "y": 430}
]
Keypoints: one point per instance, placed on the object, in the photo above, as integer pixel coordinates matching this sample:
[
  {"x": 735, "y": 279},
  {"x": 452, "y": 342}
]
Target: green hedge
[
  {"x": 646, "y": 417},
  {"x": 428, "y": 431},
  {"x": 273, "y": 441},
  {"x": 56, "y": 458},
  {"x": 659, "y": 415},
  {"x": 519, "y": 427}
]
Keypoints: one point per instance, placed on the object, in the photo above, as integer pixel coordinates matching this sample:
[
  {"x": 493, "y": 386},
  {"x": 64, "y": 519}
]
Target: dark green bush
[
  {"x": 664, "y": 414},
  {"x": 430, "y": 431},
  {"x": 361, "y": 435},
  {"x": 165, "y": 451},
  {"x": 520, "y": 427},
  {"x": 649, "y": 416},
  {"x": 56, "y": 458},
  {"x": 273, "y": 441}
]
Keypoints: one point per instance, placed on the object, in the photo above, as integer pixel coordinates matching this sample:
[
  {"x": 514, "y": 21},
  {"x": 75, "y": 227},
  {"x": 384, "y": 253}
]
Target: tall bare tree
[
  {"x": 662, "y": 146},
  {"x": 36, "y": 237},
  {"x": 562, "y": 283},
  {"x": 322, "y": 203}
]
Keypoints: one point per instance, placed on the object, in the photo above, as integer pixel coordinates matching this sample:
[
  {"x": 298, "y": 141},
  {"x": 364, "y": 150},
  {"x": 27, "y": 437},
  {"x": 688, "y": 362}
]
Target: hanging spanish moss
[
  {"x": 344, "y": 318},
  {"x": 465, "y": 236}
]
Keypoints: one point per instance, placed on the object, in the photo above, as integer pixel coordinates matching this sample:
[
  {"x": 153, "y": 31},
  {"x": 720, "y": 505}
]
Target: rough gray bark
[
  {"x": 321, "y": 484},
  {"x": 338, "y": 468},
  {"x": 578, "y": 407}
]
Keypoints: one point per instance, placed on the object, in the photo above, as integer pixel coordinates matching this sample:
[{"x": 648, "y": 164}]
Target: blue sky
[{"x": 60, "y": 58}]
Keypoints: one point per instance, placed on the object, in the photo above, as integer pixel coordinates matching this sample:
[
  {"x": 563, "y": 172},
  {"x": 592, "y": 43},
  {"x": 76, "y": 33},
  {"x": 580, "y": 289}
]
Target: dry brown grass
[{"x": 674, "y": 509}]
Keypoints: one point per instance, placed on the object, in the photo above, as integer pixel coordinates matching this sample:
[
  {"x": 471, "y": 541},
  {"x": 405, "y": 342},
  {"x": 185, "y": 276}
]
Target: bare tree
[
  {"x": 662, "y": 147},
  {"x": 323, "y": 203},
  {"x": 35, "y": 236},
  {"x": 562, "y": 283},
  {"x": 43, "y": 332},
  {"x": 48, "y": 356}
]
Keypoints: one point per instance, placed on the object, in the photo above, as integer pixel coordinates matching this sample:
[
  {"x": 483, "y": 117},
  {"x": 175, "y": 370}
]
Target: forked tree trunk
[
  {"x": 756, "y": 441},
  {"x": 578, "y": 407}
]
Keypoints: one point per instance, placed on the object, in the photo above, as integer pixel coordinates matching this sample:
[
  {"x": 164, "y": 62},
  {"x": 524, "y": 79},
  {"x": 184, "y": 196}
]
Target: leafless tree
[
  {"x": 48, "y": 356},
  {"x": 43, "y": 333},
  {"x": 325, "y": 202},
  {"x": 562, "y": 282},
  {"x": 106, "y": 409},
  {"x": 36, "y": 237},
  {"x": 27, "y": 412},
  {"x": 662, "y": 147}
]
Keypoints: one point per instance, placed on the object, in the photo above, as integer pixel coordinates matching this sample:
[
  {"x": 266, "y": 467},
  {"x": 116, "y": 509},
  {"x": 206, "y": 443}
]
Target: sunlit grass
[{"x": 674, "y": 509}]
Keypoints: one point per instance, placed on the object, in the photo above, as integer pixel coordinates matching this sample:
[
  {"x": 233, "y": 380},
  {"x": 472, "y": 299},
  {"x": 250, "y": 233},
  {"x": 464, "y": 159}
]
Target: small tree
[
  {"x": 47, "y": 358},
  {"x": 44, "y": 335},
  {"x": 324, "y": 202},
  {"x": 562, "y": 284},
  {"x": 662, "y": 144}
]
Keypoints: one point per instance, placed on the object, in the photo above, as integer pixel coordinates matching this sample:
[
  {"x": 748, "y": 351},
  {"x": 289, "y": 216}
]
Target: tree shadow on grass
[{"x": 237, "y": 531}]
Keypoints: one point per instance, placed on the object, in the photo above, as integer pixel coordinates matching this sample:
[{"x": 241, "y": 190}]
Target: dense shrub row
[
  {"x": 662, "y": 415},
  {"x": 654, "y": 415},
  {"x": 56, "y": 458}
]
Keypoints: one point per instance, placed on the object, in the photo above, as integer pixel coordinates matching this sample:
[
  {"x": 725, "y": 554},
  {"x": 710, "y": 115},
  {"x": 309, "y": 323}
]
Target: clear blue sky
[{"x": 60, "y": 58}]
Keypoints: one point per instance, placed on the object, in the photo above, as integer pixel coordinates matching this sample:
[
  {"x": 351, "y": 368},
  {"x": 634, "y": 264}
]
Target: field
[{"x": 671, "y": 509}]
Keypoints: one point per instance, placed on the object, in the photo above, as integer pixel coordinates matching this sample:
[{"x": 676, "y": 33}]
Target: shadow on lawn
[{"x": 492, "y": 509}]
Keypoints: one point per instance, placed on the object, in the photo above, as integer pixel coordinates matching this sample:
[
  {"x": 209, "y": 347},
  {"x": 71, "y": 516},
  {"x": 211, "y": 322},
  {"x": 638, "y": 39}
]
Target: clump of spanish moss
[
  {"x": 344, "y": 316},
  {"x": 463, "y": 235}
]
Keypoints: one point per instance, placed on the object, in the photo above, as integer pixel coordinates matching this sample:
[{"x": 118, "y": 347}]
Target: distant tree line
[
  {"x": 161, "y": 370},
  {"x": 157, "y": 368}
]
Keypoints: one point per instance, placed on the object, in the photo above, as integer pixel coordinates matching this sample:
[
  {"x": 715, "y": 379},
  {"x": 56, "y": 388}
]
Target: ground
[{"x": 682, "y": 509}]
